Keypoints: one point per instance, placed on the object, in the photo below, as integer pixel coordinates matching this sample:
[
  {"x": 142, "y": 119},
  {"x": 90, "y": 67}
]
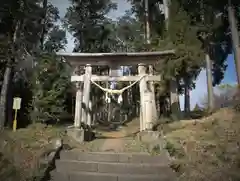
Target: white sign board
[{"x": 17, "y": 103}]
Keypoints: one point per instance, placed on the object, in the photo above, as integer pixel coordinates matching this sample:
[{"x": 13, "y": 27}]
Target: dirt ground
[{"x": 121, "y": 140}]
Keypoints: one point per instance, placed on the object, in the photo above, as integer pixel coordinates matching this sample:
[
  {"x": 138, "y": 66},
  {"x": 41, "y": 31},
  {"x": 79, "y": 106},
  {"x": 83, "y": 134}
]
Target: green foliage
[
  {"x": 87, "y": 22},
  {"x": 182, "y": 34},
  {"x": 56, "y": 40},
  {"x": 131, "y": 33},
  {"x": 193, "y": 29},
  {"x": 50, "y": 84},
  {"x": 156, "y": 18},
  {"x": 49, "y": 77},
  {"x": 212, "y": 31}
]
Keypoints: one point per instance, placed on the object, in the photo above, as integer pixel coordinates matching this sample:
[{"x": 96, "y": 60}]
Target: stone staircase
[{"x": 75, "y": 165}]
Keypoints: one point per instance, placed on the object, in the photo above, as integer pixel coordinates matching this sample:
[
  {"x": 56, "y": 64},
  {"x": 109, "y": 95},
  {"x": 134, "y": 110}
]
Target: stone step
[
  {"x": 115, "y": 168},
  {"x": 91, "y": 176},
  {"x": 114, "y": 157}
]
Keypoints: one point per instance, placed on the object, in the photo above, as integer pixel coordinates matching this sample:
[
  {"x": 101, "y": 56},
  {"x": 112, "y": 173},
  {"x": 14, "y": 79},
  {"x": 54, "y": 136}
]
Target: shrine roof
[{"x": 116, "y": 59}]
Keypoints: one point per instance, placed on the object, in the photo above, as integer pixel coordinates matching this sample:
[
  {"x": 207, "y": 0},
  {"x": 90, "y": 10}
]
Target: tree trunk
[
  {"x": 42, "y": 37},
  {"x": 40, "y": 45},
  {"x": 235, "y": 38},
  {"x": 209, "y": 83},
  {"x": 163, "y": 106},
  {"x": 9, "y": 103},
  {"x": 174, "y": 99},
  {"x": 135, "y": 99},
  {"x": 7, "y": 79},
  {"x": 3, "y": 97},
  {"x": 186, "y": 97}
]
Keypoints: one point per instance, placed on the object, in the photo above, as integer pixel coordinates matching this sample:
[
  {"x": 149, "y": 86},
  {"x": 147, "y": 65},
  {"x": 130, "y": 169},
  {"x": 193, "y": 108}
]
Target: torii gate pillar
[
  {"x": 143, "y": 90},
  {"x": 86, "y": 114}
]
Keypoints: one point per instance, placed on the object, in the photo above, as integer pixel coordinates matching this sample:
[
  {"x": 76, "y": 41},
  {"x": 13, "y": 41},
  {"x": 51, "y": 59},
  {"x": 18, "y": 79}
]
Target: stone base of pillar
[
  {"x": 154, "y": 141},
  {"x": 80, "y": 135},
  {"x": 149, "y": 136}
]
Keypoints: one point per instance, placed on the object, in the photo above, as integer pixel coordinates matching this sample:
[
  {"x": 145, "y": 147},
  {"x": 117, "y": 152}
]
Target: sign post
[{"x": 16, "y": 107}]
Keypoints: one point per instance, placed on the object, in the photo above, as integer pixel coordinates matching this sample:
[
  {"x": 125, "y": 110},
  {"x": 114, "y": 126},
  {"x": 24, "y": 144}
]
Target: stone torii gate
[{"x": 114, "y": 61}]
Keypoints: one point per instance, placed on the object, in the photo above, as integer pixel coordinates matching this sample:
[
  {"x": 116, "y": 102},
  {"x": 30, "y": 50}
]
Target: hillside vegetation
[
  {"x": 206, "y": 149},
  {"x": 21, "y": 152}
]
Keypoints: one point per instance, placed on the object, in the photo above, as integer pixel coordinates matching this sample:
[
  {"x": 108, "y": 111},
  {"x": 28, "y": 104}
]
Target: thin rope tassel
[
  {"x": 120, "y": 99},
  {"x": 107, "y": 98}
]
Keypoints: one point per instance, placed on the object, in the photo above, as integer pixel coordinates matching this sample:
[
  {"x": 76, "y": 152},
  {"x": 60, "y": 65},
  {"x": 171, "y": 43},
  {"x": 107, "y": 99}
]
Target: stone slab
[
  {"x": 66, "y": 166},
  {"x": 56, "y": 176},
  {"x": 89, "y": 176},
  {"x": 114, "y": 157},
  {"x": 115, "y": 168},
  {"x": 83, "y": 156},
  {"x": 127, "y": 168}
]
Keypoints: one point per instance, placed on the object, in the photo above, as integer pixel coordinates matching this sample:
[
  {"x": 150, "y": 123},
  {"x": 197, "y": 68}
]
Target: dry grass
[
  {"x": 206, "y": 149},
  {"x": 22, "y": 150}
]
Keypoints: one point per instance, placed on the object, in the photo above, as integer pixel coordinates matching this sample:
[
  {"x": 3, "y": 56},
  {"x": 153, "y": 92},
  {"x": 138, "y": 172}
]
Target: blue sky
[
  {"x": 230, "y": 75},
  {"x": 198, "y": 94},
  {"x": 201, "y": 84}
]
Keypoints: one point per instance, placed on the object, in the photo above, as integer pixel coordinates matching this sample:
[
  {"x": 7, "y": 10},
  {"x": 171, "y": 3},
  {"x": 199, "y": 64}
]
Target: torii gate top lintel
[{"x": 115, "y": 59}]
